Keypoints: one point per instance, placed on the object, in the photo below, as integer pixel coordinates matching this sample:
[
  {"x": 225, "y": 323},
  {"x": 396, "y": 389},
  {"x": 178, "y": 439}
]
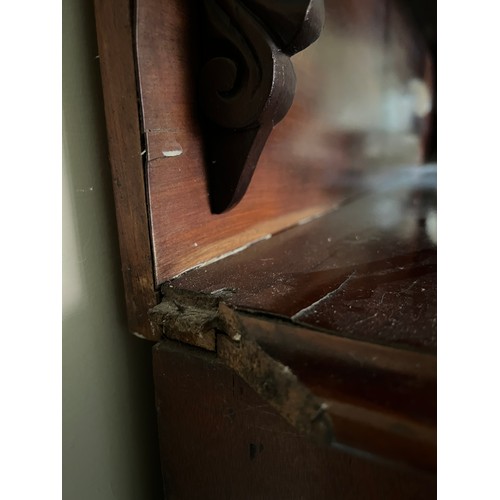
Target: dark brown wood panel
[
  {"x": 351, "y": 112},
  {"x": 380, "y": 400},
  {"x": 366, "y": 270},
  {"x": 185, "y": 232},
  {"x": 116, "y": 56},
  {"x": 375, "y": 398},
  {"x": 370, "y": 375},
  {"x": 219, "y": 439}
]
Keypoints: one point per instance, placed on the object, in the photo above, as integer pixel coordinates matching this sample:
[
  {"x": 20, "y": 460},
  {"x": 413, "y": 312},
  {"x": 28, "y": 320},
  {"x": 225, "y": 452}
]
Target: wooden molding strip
[
  {"x": 375, "y": 400},
  {"x": 116, "y": 55}
]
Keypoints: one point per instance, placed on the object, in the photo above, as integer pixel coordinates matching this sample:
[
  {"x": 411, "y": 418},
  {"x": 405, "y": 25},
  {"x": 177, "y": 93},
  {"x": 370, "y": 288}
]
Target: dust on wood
[{"x": 205, "y": 321}]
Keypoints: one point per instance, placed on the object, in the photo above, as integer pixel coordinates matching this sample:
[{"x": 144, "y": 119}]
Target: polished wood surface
[
  {"x": 347, "y": 304},
  {"x": 116, "y": 57},
  {"x": 381, "y": 400},
  {"x": 369, "y": 398},
  {"x": 354, "y": 109},
  {"x": 314, "y": 299},
  {"x": 361, "y": 104},
  {"x": 219, "y": 439},
  {"x": 375, "y": 372},
  {"x": 366, "y": 271}
]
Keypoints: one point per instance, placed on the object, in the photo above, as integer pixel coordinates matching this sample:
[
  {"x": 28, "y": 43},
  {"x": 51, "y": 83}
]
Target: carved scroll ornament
[{"x": 248, "y": 83}]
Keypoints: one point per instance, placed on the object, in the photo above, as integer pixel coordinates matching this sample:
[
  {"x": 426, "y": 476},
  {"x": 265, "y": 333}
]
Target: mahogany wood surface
[
  {"x": 366, "y": 271},
  {"x": 150, "y": 55},
  {"x": 380, "y": 376},
  {"x": 185, "y": 232},
  {"x": 381, "y": 400},
  {"x": 362, "y": 279},
  {"x": 371, "y": 398},
  {"x": 220, "y": 440},
  {"x": 336, "y": 124},
  {"x": 116, "y": 56}
]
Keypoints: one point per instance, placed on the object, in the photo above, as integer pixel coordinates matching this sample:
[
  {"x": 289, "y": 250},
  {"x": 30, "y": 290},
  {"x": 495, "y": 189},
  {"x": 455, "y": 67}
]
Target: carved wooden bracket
[{"x": 248, "y": 83}]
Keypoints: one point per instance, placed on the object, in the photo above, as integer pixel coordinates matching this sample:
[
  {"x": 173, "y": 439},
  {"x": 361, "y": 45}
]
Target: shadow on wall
[{"x": 110, "y": 443}]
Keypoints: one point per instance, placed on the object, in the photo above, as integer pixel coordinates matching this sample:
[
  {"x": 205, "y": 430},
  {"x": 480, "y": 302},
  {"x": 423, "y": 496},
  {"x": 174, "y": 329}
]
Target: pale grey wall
[{"x": 109, "y": 428}]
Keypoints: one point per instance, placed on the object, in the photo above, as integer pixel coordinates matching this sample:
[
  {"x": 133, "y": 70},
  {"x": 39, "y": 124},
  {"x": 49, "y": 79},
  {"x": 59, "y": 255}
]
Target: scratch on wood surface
[
  {"x": 161, "y": 130},
  {"x": 364, "y": 320},
  {"x": 329, "y": 295},
  {"x": 410, "y": 287}
]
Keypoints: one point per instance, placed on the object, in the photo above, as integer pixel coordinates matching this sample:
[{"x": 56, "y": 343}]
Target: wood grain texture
[
  {"x": 116, "y": 57},
  {"x": 219, "y": 439},
  {"x": 336, "y": 367},
  {"x": 336, "y": 126},
  {"x": 319, "y": 140},
  {"x": 380, "y": 400},
  {"x": 366, "y": 271},
  {"x": 374, "y": 398},
  {"x": 185, "y": 233}
]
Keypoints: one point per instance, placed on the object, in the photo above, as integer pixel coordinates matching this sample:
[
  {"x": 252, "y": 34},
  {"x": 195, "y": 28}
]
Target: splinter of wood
[{"x": 248, "y": 83}]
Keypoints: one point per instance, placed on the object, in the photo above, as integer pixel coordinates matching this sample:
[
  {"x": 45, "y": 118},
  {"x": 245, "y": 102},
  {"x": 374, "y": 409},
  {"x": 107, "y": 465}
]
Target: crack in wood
[{"x": 309, "y": 308}]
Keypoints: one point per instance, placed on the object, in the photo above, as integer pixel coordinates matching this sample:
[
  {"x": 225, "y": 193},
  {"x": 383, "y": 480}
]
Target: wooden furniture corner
[{"x": 276, "y": 211}]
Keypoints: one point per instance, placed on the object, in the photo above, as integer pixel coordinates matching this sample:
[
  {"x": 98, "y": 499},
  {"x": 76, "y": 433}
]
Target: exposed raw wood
[
  {"x": 339, "y": 392},
  {"x": 185, "y": 232},
  {"x": 188, "y": 317},
  {"x": 380, "y": 399},
  {"x": 304, "y": 360},
  {"x": 220, "y": 439},
  {"x": 279, "y": 387}
]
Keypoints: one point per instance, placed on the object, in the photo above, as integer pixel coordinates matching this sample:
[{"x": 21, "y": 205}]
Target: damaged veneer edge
[
  {"x": 207, "y": 322},
  {"x": 204, "y": 321}
]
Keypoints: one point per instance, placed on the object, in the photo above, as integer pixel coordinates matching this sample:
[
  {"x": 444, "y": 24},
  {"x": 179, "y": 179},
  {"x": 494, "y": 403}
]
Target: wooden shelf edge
[{"x": 116, "y": 55}]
